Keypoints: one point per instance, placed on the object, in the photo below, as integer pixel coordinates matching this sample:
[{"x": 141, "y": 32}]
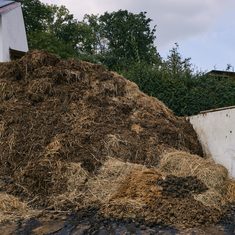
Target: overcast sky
[{"x": 204, "y": 29}]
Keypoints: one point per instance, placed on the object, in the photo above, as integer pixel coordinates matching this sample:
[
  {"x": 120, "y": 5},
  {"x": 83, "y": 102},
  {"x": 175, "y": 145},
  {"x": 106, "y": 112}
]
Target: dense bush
[{"x": 174, "y": 82}]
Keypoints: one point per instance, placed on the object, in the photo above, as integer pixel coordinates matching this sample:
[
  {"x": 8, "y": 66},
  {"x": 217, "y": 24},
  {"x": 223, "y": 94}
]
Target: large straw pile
[
  {"x": 74, "y": 111},
  {"x": 72, "y": 132}
]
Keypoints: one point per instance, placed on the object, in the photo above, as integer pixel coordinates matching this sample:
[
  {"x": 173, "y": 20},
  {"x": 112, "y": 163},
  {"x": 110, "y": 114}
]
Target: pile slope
[
  {"x": 54, "y": 113},
  {"x": 74, "y": 135}
]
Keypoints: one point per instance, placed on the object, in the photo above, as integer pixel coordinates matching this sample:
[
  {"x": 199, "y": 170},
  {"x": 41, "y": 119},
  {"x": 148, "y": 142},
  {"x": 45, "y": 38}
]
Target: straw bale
[
  {"x": 181, "y": 163},
  {"x": 111, "y": 175}
]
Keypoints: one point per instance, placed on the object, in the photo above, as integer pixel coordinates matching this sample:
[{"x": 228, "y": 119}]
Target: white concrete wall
[
  {"x": 1, "y": 49},
  {"x": 12, "y": 33},
  {"x": 216, "y": 132}
]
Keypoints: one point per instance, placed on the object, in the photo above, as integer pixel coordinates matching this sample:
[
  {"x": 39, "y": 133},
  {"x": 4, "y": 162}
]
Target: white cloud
[{"x": 176, "y": 20}]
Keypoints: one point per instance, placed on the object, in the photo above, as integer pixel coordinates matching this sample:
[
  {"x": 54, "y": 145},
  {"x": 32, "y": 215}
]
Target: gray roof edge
[
  {"x": 9, "y": 7},
  {"x": 5, "y": 2}
]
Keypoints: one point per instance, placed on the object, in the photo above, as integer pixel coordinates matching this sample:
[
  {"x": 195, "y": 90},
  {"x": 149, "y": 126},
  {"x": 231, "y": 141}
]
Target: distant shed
[
  {"x": 221, "y": 74},
  {"x": 13, "y": 40}
]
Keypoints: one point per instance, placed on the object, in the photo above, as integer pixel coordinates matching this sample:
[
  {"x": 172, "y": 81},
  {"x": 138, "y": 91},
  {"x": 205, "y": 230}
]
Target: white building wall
[
  {"x": 12, "y": 32},
  {"x": 1, "y": 49},
  {"x": 216, "y": 132}
]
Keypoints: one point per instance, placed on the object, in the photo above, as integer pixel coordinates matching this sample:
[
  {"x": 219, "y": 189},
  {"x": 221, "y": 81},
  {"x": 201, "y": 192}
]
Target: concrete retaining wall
[{"x": 216, "y": 132}]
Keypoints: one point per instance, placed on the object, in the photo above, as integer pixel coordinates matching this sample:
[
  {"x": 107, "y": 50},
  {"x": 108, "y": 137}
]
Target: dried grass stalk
[
  {"x": 184, "y": 164},
  {"x": 76, "y": 177},
  {"x": 12, "y": 209},
  {"x": 111, "y": 175},
  {"x": 230, "y": 192},
  {"x": 210, "y": 198},
  {"x": 214, "y": 176},
  {"x": 53, "y": 148}
]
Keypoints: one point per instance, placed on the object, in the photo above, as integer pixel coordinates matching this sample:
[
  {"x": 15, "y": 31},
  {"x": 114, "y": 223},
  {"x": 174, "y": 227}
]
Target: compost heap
[{"x": 65, "y": 126}]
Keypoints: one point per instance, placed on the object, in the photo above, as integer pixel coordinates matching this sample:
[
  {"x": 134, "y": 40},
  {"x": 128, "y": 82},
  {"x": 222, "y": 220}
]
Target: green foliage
[
  {"x": 173, "y": 82},
  {"x": 48, "y": 40},
  {"x": 120, "y": 36},
  {"x": 36, "y": 15},
  {"x": 121, "y": 27},
  {"x": 96, "y": 42},
  {"x": 53, "y": 28},
  {"x": 68, "y": 29}
]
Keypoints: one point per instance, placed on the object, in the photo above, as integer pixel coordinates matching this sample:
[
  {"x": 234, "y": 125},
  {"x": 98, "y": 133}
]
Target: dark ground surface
[{"x": 68, "y": 224}]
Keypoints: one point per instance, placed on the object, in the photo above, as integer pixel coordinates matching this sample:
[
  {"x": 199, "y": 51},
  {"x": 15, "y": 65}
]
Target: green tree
[
  {"x": 97, "y": 43},
  {"x": 122, "y": 28},
  {"x": 175, "y": 65},
  {"x": 48, "y": 40},
  {"x": 36, "y": 15},
  {"x": 53, "y": 28},
  {"x": 174, "y": 82},
  {"x": 68, "y": 29},
  {"x": 121, "y": 37}
]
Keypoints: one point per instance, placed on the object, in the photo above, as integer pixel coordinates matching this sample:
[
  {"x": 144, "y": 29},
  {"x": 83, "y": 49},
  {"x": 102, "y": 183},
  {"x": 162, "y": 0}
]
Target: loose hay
[
  {"x": 83, "y": 189},
  {"x": 110, "y": 176},
  {"x": 215, "y": 176},
  {"x": 12, "y": 209},
  {"x": 230, "y": 192},
  {"x": 210, "y": 198},
  {"x": 76, "y": 177},
  {"x": 141, "y": 186}
]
